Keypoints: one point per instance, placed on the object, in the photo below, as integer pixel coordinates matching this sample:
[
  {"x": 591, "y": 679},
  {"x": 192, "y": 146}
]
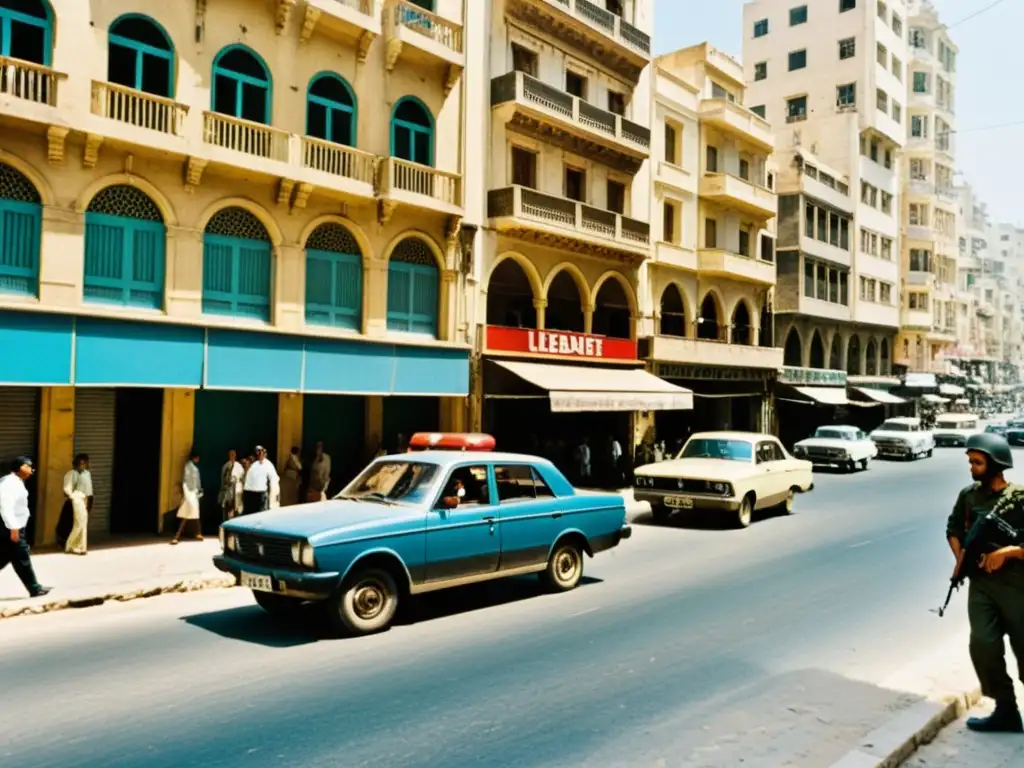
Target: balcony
[
  {"x": 137, "y": 109},
  {"x": 566, "y": 224},
  {"x": 917, "y": 278},
  {"x": 420, "y": 38},
  {"x": 738, "y": 121},
  {"x": 676, "y": 176},
  {"x": 738, "y": 194},
  {"x": 869, "y": 313},
  {"x": 676, "y": 349},
  {"x": 29, "y": 91},
  {"x": 535, "y": 108},
  {"x": 823, "y": 250},
  {"x": 246, "y": 137},
  {"x": 916, "y": 319},
  {"x": 672, "y": 255},
  {"x": 400, "y": 182},
  {"x": 353, "y": 22},
  {"x": 717, "y": 262},
  {"x": 819, "y": 190},
  {"x": 828, "y": 310},
  {"x": 589, "y": 28},
  {"x": 942, "y": 335}
]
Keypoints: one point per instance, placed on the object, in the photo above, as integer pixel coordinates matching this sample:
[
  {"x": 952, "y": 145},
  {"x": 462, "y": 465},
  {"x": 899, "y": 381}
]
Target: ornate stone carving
[
  {"x": 365, "y": 41},
  {"x": 451, "y": 77},
  {"x": 549, "y": 132},
  {"x": 55, "y": 138},
  {"x": 392, "y": 52},
  {"x": 284, "y": 191},
  {"x": 385, "y": 210},
  {"x": 91, "y": 152},
  {"x": 309, "y": 21},
  {"x": 282, "y": 14},
  {"x": 302, "y": 193},
  {"x": 194, "y": 168},
  {"x": 451, "y": 231}
]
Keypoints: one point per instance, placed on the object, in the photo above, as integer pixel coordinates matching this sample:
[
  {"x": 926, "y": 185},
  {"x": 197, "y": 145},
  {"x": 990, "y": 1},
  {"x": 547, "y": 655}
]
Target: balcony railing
[
  {"x": 520, "y": 86},
  {"x": 522, "y": 202},
  {"x": 609, "y": 23},
  {"x": 245, "y": 136},
  {"x": 29, "y": 81},
  {"x": 404, "y": 176},
  {"x": 138, "y": 108},
  {"x": 417, "y": 19},
  {"x": 338, "y": 159}
]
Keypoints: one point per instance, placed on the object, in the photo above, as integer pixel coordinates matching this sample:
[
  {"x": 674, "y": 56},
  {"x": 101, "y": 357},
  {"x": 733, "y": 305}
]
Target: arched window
[
  {"x": 125, "y": 242},
  {"x": 742, "y": 328},
  {"x": 413, "y": 288},
  {"x": 241, "y": 85},
  {"x": 334, "y": 278},
  {"x": 793, "y": 354},
  {"x": 26, "y": 30},
  {"x": 331, "y": 110},
  {"x": 853, "y": 356},
  {"x": 236, "y": 265},
  {"x": 884, "y": 367},
  {"x": 412, "y": 132},
  {"x": 708, "y": 325},
  {"x": 766, "y": 333},
  {"x": 817, "y": 351},
  {"x": 510, "y": 297},
  {"x": 613, "y": 315},
  {"x": 141, "y": 56},
  {"x": 871, "y": 362},
  {"x": 21, "y": 221},
  {"x": 673, "y": 312},
  {"x": 835, "y": 353},
  {"x": 565, "y": 304}
]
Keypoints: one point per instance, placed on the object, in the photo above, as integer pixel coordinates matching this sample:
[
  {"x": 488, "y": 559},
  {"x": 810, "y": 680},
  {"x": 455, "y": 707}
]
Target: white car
[
  {"x": 953, "y": 429},
  {"x": 732, "y": 472},
  {"x": 903, "y": 438},
  {"x": 837, "y": 446}
]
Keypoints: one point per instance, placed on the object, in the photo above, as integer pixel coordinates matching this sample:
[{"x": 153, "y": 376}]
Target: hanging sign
[{"x": 563, "y": 344}]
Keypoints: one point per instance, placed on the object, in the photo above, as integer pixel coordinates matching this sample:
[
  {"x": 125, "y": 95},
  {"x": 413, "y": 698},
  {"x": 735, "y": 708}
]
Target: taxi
[{"x": 448, "y": 512}]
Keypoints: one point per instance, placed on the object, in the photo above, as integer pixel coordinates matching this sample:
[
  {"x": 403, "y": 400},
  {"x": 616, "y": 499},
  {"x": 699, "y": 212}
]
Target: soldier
[{"x": 995, "y": 600}]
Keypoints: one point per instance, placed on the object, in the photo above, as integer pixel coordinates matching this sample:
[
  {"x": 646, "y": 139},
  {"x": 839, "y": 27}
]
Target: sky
[{"x": 989, "y": 84}]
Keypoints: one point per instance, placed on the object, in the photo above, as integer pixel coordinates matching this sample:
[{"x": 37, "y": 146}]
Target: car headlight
[
  {"x": 721, "y": 488},
  {"x": 231, "y": 542},
  {"x": 303, "y": 554}
]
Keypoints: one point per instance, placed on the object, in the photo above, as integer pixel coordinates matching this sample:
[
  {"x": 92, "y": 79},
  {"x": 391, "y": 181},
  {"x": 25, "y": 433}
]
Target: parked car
[
  {"x": 731, "y": 472},
  {"x": 419, "y": 522},
  {"x": 997, "y": 428},
  {"x": 1015, "y": 431},
  {"x": 837, "y": 446},
  {"x": 953, "y": 429},
  {"x": 903, "y": 437}
]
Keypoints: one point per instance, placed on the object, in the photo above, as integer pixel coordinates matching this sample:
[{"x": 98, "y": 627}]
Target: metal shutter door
[
  {"x": 19, "y": 423},
  {"x": 94, "y": 435}
]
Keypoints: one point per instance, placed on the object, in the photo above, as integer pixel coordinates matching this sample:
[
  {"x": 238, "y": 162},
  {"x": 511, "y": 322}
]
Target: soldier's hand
[{"x": 995, "y": 560}]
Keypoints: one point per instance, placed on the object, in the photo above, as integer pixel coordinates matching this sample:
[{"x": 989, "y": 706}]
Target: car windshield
[
  {"x": 710, "y": 448},
  {"x": 834, "y": 434},
  {"x": 387, "y": 482},
  {"x": 894, "y": 426}
]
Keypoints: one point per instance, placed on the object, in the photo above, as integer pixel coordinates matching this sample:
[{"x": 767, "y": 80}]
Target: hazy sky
[{"x": 990, "y": 86}]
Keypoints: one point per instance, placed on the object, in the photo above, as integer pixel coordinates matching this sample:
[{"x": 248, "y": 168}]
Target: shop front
[
  {"x": 875, "y": 401},
  {"x": 546, "y": 392},
  {"x": 808, "y": 398}
]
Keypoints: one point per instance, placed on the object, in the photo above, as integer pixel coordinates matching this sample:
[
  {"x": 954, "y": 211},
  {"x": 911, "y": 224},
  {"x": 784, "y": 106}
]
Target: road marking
[
  {"x": 861, "y": 544},
  {"x": 882, "y": 538},
  {"x": 584, "y": 613}
]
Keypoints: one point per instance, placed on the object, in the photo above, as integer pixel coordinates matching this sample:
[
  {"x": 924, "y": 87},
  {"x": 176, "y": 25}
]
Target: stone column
[
  {"x": 176, "y": 436},
  {"x": 289, "y": 425},
  {"x": 184, "y": 291},
  {"x": 289, "y": 288},
  {"x": 56, "y": 454},
  {"x": 540, "y": 305},
  {"x": 588, "y": 318},
  {"x": 375, "y": 297},
  {"x": 61, "y": 257}
]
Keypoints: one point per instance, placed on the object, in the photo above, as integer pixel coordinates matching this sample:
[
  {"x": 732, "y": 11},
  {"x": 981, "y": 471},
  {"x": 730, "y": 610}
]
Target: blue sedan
[{"x": 420, "y": 522}]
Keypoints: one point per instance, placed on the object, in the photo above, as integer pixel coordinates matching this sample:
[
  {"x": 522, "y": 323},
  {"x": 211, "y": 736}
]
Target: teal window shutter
[
  {"x": 334, "y": 278},
  {"x": 413, "y": 288},
  {"x": 21, "y": 224},
  {"x": 237, "y": 266}
]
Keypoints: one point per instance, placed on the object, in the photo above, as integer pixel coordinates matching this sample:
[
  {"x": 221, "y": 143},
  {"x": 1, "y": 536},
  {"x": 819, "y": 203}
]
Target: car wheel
[
  {"x": 850, "y": 466},
  {"x": 745, "y": 513},
  {"x": 928, "y": 453},
  {"x": 565, "y": 567},
  {"x": 365, "y": 604},
  {"x": 787, "y": 505},
  {"x": 277, "y": 605},
  {"x": 863, "y": 463}
]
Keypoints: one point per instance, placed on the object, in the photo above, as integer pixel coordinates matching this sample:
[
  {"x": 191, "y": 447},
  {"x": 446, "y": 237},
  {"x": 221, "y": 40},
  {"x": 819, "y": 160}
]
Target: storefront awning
[
  {"x": 950, "y": 390},
  {"x": 933, "y": 399},
  {"x": 920, "y": 380},
  {"x": 825, "y": 395},
  {"x": 577, "y": 388},
  {"x": 880, "y": 395}
]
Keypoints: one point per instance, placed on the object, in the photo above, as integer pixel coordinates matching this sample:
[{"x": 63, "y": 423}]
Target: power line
[
  {"x": 978, "y": 12},
  {"x": 987, "y": 127}
]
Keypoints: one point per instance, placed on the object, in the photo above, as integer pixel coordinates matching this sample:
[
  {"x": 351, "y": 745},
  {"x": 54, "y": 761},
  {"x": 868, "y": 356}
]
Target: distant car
[
  {"x": 997, "y": 428},
  {"x": 1015, "y": 432},
  {"x": 837, "y": 446},
  {"x": 953, "y": 429},
  {"x": 732, "y": 472},
  {"x": 903, "y": 437},
  {"x": 419, "y": 522}
]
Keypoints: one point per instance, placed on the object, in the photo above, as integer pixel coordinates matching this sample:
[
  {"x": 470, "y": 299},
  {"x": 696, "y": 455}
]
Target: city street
[{"x": 689, "y": 645}]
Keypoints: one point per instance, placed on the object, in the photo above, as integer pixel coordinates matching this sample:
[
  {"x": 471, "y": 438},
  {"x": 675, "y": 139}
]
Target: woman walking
[
  {"x": 231, "y": 476},
  {"x": 191, "y": 493}
]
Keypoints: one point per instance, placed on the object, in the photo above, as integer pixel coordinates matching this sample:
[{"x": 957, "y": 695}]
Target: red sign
[{"x": 564, "y": 344}]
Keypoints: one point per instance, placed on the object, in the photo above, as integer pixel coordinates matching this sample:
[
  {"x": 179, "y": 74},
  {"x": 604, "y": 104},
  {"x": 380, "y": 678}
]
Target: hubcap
[
  {"x": 745, "y": 513},
  {"x": 565, "y": 564},
  {"x": 369, "y": 600}
]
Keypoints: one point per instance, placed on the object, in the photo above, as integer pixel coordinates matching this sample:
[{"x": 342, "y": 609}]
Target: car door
[
  {"x": 464, "y": 541},
  {"x": 528, "y": 513},
  {"x": 766, "y": 474},
  {"x": 791, "y": 472}
]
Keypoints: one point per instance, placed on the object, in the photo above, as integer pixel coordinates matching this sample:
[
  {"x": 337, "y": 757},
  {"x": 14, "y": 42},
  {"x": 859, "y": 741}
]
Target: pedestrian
[
  {"x": 260, "y": 480},
  {"x": 191, "y": 493},
  {"x": 14, "y": 514},
  {"x": 230, "y": 496},
  {"x": 995, "y": 598},
  {"x": 583, "y": 462},
  {"x": 319, "y": 475},
  {"x": 616, "y": 457},
  {"x": 79, "y": 494},
  {"x": 291, "y": 478}
]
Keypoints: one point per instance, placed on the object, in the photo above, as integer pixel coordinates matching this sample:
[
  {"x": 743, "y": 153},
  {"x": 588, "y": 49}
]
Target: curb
[
  {"x": 123, "y": 594},
  {"x": 892, "y": 744}
]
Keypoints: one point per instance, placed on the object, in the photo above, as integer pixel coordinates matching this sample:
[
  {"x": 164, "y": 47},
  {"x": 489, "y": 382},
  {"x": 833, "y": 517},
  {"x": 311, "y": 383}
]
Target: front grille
[
  {"x": 823, "y": 454},
  {"x": 678, "y": 485},
  {"x": 275, "y": 551},
  {"x": 889, "y": 442}
]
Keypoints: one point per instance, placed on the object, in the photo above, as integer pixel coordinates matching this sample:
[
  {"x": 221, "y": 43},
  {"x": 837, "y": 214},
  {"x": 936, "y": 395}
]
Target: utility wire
[{"x": 978, "y": 12}]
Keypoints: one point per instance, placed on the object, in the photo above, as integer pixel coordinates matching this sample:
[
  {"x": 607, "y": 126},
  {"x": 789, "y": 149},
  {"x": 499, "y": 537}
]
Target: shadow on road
[
  {"x": 310, "y": 624},
  {"x": 702, "y": 520}
]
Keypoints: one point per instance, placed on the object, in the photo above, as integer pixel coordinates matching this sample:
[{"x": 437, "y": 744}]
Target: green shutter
[
  {"x": 236, "y": 277},
  {"x": 20, "y": 225},
  {"x": 124, "y": 261},
  {"x": 334, "y": 289}
]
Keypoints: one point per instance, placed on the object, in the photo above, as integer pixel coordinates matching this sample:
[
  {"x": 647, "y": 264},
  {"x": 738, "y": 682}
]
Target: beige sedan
[{"x": 732, "y": 472}]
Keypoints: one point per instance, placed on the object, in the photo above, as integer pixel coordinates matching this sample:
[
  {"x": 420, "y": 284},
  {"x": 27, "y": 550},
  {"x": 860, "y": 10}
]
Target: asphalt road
[{"x": 688, "y": 645}]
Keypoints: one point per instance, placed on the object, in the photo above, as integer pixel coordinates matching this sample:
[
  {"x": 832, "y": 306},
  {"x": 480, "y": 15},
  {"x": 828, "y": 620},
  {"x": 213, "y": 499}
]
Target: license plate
[
  {"x": 679, "y": 502},
  {"x": 257, "y": 582}
]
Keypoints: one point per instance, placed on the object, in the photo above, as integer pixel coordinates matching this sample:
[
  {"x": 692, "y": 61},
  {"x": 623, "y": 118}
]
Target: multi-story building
[
  {"x": 830, "y": 78},
  {"x": 931, "y": 301},
  {"x": 976, "y": 285},
  {"x": 223, "y": 224},
  {"x": 709, "y": 284}
]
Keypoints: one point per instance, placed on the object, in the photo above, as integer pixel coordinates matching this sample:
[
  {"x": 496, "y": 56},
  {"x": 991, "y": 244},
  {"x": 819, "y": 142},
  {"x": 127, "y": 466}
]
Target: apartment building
[
  {"x": 708, "y": 326},
  {"x": 226, "y": 224},
  {"x": 830, "y": 77},
  {"x": 1007, "y": 250},
  {"x": 931, "y": 303}
]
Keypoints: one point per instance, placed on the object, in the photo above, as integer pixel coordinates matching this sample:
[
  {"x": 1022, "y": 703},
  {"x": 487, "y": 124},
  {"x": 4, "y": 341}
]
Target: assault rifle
[{"x": 989, "y": 533}]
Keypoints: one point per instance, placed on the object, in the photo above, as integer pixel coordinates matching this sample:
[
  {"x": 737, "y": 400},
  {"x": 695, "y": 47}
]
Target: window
[
  {"x": 919, "y": 126},
  {"x": 875, "y": 148},
  {"x": 744, "y": 249},
  {"x": 897, "y": 25},
  {"x": 918, "y": 215},
  {"x": 887, "y": 162},
  {"x": 616, "y": 191},
  {"x": 473, "y": 480},
  {"x": 847, "y": 5},
  {"x": 897, "y": 68},
  {"x": 920, "y": 260},
  {"x": 140, "y": 55},
  {"x": 671, "y": 144},
  {"x": 797, "y": 60},
  {"x": 718, "y": 92},
  {"x": 761, "y": 70},
  {"x": 334, "y": 278},
  {"x": 575, "y": 184},
  {"x": 576, "y": 84},
  {"x": 798, "y": 15},
  {"x": 822, "y": 224},
  {"x": 669, "y": 212},
  {"x": 767, "y": 248},
  {"x": 711, "y": 159},
  {"x": 883, "y": 56},
  {"x": 236, "y": 265},
  {"x": 846, "y": 95},
  {"x": 809, "y": 219},
  {"x": 887, "y": 248},
  {"x": 885, "y": 293},
  {"x": 241, "y": 87},
  {"x": 519, "y": 482},
  {"x": 413, "y": 288},
  {"x": 759, "y": 111},
  {"x": 412, "y": 132},
  {"x": 744, "y": 169},
  {"x": 897, "y": 113},
  {"x": 809, "y": 279},
  {"x": 26, "y": 33},
  {"x": 761, "y": 28},
  {"x": 524, "y": 167},
  {"x": 331, "y": 110},
  {"x": 844, "y": 290},
  {"x": 796, "y": 109},
  {"x": 867, "y": 289},
  {"x": 821, "y": 284},
  {"x": 882, "y": 100},
  {"x": 917, "y": 38},
  {"x": 616, "y": 103},
  {"x": 886, "y": 203},
  {"x": 710, "y": 233},
  {"x": 524, "y": 60},
  {"x": 848, "y": 48},
  {"x": 917, "y": 300},
  {"x": 882, "y": 10},
  {"x": 921, "y": 84}
]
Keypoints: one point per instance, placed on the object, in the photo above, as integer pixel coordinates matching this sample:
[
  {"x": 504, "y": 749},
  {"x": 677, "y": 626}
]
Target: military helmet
[{"x": 994, "y": 447}]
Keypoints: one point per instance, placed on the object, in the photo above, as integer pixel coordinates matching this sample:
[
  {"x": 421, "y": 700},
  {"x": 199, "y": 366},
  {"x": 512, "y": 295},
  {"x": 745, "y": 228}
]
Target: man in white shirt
[
  {"x": 14, "y": 514},
  {"x": 258, "y": 483},
  {"x": 319, "y": 475},
  {"x": 79, "y": 493}
]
